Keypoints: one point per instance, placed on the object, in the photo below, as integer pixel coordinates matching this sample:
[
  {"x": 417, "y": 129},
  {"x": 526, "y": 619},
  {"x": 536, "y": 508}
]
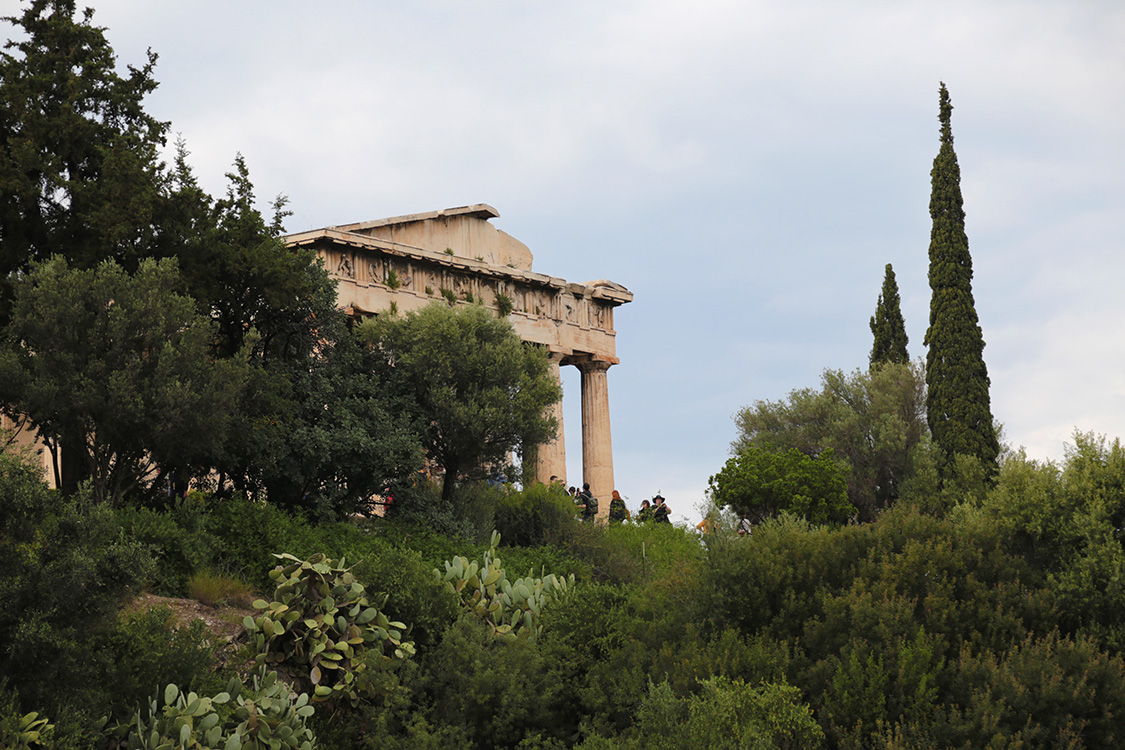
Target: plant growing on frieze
[
  {"x": 504, "y": 304},
  {"x": 392, "y": 280},
  {"x": 512, "y": 607},
  {"x": 322, "y": 628}
]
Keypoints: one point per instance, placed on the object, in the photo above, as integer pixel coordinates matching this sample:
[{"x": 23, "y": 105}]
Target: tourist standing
[
  {"x": 645, "y": 513},
  {"x": 589, "y": 502},
  {"x": 617, "y": 510},
  {"x": 660, "y": 511}
]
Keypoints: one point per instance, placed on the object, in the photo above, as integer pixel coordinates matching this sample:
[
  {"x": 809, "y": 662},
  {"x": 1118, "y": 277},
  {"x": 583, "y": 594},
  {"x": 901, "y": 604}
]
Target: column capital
[{"x": 590, "y": 365}]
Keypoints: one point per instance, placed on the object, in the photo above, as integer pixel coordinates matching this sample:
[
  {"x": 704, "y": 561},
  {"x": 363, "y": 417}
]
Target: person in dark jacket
[
  {"x": 660, "y": 511},
  {"x": 617, "y": 510},
  {"x": 645, "y": 513},
  {"x": 589, "y": 503}
]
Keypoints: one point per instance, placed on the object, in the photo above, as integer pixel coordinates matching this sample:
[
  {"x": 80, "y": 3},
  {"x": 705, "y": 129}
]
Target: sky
[{"x": 746, "y": 168}]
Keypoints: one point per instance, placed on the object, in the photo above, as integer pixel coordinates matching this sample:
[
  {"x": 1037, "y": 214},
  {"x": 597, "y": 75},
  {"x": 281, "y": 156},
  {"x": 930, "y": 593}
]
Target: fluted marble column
[
  {"x": 551, "y": 457},
  {"x": 597, "y": 443}
]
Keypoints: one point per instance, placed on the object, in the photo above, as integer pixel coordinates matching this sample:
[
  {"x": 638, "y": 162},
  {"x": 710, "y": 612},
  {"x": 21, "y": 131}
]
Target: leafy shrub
[
  {"x": 726, "y": 714},
  {"x": 628, "y": 553},
  {"x": 320, "y": 625},
  {"x": 539, "y": 514},
  {"x": 145, "y": 649},
  {"x": 467, "y": 514},
  {"x": 407, "y": 583},
  {"x": 248, "y": 533},
  {"x": 178, "y": 542},
  {"x": 1051, "y": 691},
  {"x": 66, "y": 563},
  {"x": 758, "y": 484},
  {"x": 498, "y": 691},
  {"x": 265, "y": 717}
]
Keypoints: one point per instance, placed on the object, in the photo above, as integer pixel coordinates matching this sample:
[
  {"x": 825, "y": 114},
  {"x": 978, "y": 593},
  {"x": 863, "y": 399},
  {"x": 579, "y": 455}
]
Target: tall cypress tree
[
  {"x": 957, "y": 400},
  {"x": 887, "y": 325}
]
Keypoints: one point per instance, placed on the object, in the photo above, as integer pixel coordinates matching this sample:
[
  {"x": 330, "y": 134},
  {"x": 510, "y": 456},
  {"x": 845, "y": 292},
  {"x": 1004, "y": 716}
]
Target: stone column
[
  {"x": 597, "y": 444},
  {"x": 551, "y": 457}
]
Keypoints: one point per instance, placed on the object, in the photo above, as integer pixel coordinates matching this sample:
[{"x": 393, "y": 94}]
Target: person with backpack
[{"x": 589, "y": 503}]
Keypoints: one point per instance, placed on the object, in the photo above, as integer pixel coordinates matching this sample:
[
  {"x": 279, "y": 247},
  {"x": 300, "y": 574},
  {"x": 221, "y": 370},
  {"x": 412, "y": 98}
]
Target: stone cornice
[{"x": 602, "y": 289}]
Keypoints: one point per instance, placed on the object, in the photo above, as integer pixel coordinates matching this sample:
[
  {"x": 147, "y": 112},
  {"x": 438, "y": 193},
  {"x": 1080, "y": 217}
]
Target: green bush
[
  {"x": 538, "y": 515},
  {"x": 629, "y": 553},
  {"x": 498, "y": 691},
  {"x": 1042, "y": 692},
  {"x": 179, "y": 544},
  {"x": 407, "y": 583},
  {"x": 758, "y": 484},
  {"x": 145, "y": 650},
  {"x": 248, "y": 533},
  {"x": 468, "y": 514},
  {"x": 725, "y": 714},
  {"x": 66, "y": 565}
]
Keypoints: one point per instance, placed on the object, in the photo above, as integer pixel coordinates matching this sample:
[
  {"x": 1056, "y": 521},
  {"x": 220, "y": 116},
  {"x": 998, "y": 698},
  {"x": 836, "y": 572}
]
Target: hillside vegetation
[{"x": 970, "y": 616}]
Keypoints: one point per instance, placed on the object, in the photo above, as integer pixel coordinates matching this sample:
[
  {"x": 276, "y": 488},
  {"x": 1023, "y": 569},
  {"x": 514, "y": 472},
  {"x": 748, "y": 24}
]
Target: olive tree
[
  {"x": 872, "y": 421},
  {"x": 479, "y": 390}
]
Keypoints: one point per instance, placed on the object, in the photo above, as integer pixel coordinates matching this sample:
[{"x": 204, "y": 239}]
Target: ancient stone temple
[{"x": 458, "y": 256}]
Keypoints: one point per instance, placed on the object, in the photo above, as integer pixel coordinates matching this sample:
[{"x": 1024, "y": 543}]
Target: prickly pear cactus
[
  {"x": 323, "y": 629},
  {"x": 511, "y": 607},
  {"x": 265, "y": 717},
  {"x": 29, "y": 732}
]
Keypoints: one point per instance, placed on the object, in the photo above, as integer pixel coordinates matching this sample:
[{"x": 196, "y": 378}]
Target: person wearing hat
[{"x": 660, "y": 511}]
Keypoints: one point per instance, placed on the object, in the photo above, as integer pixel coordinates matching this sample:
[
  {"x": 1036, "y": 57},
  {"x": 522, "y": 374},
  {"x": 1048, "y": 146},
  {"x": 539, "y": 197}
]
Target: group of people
[{"x": 655, "y": 511}]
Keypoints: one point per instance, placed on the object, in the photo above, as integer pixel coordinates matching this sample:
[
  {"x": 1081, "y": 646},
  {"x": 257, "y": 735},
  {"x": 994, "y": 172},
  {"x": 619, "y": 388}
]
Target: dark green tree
[
  {"x": 233, "y": 261},
  {"x": 122, "y": 360},
  {"x": 887, "y": 325},
  {"x": 80, "y": 175},
  {"x": 479, "y": 390},
  {"x": 957, "y": 398},
  {"x": 79, "y": 170},
  {"x": 324, "y": 428}
]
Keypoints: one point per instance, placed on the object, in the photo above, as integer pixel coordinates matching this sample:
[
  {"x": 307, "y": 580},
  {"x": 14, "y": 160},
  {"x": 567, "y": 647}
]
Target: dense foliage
[
  {"x": 758, "y": 485},
  {"x": 957, "y": 400},
  {"x": 122, "y": 361},
  {"x": 873, "y": 422}
]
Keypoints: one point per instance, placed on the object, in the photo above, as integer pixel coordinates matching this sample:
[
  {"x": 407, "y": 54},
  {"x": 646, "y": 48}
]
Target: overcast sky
[{"x": 746, "y": 168}]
